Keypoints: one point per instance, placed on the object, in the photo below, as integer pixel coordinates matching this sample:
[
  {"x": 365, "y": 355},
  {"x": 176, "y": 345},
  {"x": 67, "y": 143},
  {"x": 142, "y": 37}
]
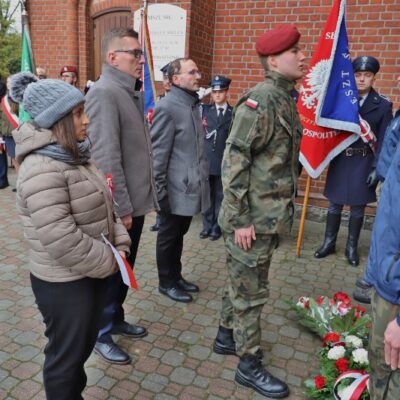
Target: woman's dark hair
[{"x": 64, "y": 133}]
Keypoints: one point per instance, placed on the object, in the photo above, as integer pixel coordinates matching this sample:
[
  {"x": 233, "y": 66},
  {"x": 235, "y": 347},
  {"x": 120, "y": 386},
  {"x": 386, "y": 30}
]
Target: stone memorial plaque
[{"x": 167, "y": 26}]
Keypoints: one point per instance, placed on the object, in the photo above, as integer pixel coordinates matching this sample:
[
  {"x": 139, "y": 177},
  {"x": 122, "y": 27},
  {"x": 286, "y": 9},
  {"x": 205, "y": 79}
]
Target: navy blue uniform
[
  {"x": 347, "y": 174},
  {"x": 216, "y": 135}
]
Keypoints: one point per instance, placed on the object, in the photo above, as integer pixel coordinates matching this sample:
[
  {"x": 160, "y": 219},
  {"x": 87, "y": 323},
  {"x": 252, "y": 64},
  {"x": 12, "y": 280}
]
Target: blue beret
[
  {"x": 366, "y": 63},
  {"x": 220, "y": 82},
  {"x": 164, "y": 69}
]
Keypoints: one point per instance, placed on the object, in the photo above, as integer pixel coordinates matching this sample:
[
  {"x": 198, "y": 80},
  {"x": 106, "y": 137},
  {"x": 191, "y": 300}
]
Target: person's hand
[
  {"x": 372, "y": 179},
  {"x": 164, "y": 205},
  {"x": 392, "y": 345},
  {"x": 244, "y": 237},
  {"x": 127, "y": 221}
]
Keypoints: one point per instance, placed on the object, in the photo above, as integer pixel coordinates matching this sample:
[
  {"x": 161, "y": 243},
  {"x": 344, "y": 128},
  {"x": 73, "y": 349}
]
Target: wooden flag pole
[{"x": 303, "y": 217}]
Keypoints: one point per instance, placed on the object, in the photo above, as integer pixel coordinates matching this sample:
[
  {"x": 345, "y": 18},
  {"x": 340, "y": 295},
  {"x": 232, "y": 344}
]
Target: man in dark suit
[
  {"x": 352, "y": 178},
  {"x": 217, "y": 119},
  {"x": 181, "y": 173}
]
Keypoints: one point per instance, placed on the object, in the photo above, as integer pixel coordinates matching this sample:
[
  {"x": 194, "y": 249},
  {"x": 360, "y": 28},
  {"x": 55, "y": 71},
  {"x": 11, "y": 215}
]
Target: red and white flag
[
  {"x": 328, "y": 100},
  {"x": 126, "y": 270}
]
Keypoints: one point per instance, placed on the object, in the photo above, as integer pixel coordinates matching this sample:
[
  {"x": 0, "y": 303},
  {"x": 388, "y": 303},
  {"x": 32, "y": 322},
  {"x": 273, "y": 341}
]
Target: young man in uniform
[
  {"x": 259, "y": 176},
  {"x": 217, "y": 118}
]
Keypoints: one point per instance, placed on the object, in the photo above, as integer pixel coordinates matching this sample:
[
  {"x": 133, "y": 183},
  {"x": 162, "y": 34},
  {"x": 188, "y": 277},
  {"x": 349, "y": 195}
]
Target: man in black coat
[
  {"x": 352, "y": 178},
  {"x": 217, "y": 119}
]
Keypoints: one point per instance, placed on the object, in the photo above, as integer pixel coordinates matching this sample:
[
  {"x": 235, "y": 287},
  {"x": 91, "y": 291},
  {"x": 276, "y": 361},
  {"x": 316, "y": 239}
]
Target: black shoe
[
  {"x": 175, "y": 293},
  {"x": 133, "y": 331},
  {"x": 363, "y": 295},
  {"x": 111, "y": 353},
  {"x": 331, "y": 232},
  {"x": 251, "y": 373},
  {"x": 214, "y": 236},
  {"x": 204, "y": 234},
  {"x": 187, "y": 286},
  {"x": 4, "y": 186},
  {"x": 224, "y": 342},
  {"x": 154, "y": 228},
  {"x": 362, "y": 283}
]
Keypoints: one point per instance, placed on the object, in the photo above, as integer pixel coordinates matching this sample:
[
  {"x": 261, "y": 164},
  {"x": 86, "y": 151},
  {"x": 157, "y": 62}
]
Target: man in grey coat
[
  {"x": 181, "y": 173},
  {"x": 121, "y": 146}
]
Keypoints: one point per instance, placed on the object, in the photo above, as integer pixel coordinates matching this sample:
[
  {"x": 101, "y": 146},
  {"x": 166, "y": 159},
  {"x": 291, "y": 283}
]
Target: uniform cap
[
  {"x": 220, "y": 82},
  {"x": 366, "y": 63},
  {"x": 68, "y": 68},
  {"x": 277, "y": 40},
  {"x": 164, "y": 69}
]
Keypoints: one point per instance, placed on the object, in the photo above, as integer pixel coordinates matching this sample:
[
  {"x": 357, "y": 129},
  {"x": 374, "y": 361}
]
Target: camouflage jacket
[{"x": 260, "y": 163}]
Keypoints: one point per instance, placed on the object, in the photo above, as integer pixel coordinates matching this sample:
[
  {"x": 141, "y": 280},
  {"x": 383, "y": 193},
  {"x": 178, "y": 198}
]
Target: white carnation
[
  {"x": 302, "y": 301},
  {"x": 336, "y": 352},
  {"x": 360, "y": 356},
  {"x": 354, "y": 341}
]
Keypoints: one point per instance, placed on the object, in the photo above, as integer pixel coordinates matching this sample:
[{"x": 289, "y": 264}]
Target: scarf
[{"x": 58, "y": 153}]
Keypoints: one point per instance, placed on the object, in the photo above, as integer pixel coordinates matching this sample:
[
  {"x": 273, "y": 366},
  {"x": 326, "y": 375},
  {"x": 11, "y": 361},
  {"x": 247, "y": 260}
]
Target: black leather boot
[
  {"x": 251, "y": 373},
  {"x": 224, "y": 343},
  {"x": 331, "y": 232},
  {"x": 355, "y": 225}
]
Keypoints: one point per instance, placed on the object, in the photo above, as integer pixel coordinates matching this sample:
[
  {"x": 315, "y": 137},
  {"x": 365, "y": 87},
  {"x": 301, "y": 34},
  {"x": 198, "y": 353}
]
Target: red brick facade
[{"x": 221, "y": 36}]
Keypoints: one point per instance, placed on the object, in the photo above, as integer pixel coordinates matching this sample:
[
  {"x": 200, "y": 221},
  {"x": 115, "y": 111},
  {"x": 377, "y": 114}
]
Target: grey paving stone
[
  {"x": 282, "y": 351},
  {"x": 173, "y": 358},
  {"x": 199, "y": 352},
  {"x": 189, "y": 337},
  {"x": 183, "y": 376},
  {"x": 26, "y": 353}
]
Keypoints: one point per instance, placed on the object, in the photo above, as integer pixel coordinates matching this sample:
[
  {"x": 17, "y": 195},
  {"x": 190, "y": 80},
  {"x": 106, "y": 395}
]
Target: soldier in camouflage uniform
[{"x": 259, "y": 175}]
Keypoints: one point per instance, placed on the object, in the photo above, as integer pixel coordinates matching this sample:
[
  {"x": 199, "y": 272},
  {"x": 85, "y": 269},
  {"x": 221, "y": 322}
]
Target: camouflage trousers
[
  {"x": 246, "y": 290},
  {"x": 384, "y": 384}
]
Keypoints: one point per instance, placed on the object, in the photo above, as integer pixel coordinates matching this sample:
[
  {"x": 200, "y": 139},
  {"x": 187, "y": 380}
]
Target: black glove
[
  {"x": 164, "y": 205},
  {"x": 372, "y": 179}
]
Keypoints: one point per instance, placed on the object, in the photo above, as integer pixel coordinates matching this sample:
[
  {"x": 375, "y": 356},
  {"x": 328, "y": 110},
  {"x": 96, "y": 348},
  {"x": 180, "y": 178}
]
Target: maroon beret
[
  {"x": 277, "y": 40},
  {"x": 68, "y": 68}
]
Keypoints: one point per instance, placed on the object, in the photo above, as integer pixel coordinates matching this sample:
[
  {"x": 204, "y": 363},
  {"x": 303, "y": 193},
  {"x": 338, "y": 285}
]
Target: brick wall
[{"x": 221, "y": 36}]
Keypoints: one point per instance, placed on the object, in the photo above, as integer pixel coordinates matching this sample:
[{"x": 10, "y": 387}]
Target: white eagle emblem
[{"x": 314, "y": 80}]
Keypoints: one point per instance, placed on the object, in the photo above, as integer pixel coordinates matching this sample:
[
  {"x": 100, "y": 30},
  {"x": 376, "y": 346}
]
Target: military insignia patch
[{"x": 251, "y": 103}]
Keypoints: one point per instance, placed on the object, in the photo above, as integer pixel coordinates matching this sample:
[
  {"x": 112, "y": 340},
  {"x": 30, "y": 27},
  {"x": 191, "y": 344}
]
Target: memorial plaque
[{"x": 167, "y": 26}]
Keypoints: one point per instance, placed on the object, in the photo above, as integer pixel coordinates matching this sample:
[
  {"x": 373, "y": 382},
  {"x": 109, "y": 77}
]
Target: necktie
[
  {"x": 360, "y": 99},
  {"x": 220, "y": 114}
]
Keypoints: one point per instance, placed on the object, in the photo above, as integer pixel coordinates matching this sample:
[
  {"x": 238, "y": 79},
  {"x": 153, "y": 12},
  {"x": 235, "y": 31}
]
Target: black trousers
[
  {"x": 3, "y": 169},
  {"x": 113, "y": 312},
  {"x": 210, "y": 217},
  {"x": 71, "y": 312},
  {"x": 169, "y": 247}
]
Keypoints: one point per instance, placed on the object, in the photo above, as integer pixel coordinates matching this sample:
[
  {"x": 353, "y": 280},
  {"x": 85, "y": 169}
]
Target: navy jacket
[
  {"x": 383, "y": 269},
  {"x": 392, "y": 138},
  {"x": 217, "y": 135},
  {"x": 347, "y": 176}
]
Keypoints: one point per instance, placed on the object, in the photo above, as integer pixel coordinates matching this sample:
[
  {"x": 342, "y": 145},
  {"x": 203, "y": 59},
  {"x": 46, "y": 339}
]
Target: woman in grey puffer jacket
[{"x": 66, "y": 207}]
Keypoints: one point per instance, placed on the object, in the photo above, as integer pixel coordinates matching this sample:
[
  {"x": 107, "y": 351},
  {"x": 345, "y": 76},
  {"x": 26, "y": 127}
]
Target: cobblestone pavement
[{"x": 175, "y": 360}]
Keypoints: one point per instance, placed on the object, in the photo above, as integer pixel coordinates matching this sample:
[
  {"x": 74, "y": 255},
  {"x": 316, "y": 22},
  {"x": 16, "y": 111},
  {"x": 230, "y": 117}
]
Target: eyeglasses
[{"x": 137, "y": 53}]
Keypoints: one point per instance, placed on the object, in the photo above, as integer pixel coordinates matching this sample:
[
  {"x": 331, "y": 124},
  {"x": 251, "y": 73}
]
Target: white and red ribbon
[
  {"x": 12, "y": 118},
  {"x": 356, "y": 388},
  {"x": 126, "y": 270}
]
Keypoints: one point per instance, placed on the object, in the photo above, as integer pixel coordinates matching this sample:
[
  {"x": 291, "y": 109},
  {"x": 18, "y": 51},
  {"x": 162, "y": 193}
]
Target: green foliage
[{"x": 10, "y": 42}]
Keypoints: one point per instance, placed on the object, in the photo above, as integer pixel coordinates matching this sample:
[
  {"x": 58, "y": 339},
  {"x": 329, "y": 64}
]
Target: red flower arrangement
[
  {"x": 319, "y": 382},
  {"x": 342, "y": 364}
]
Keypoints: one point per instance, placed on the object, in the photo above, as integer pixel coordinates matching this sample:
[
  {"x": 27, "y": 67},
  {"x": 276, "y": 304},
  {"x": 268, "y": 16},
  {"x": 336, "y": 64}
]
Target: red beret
[
  {"x": 277, "y": 40},
  {"x": 69, "y": 68}
]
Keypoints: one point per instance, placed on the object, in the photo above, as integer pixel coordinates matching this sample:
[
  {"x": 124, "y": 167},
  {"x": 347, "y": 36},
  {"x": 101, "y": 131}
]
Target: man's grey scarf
[{"x": 58, "y": 153}]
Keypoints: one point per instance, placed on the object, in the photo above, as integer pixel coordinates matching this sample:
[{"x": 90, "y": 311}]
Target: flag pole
[{"x": 303, "y": 217}]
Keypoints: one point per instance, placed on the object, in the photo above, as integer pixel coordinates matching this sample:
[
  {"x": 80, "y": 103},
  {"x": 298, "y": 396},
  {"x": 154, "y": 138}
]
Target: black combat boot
[
  {"x": 251, "y": 373},
  {"x": 331, "y": 232},
  {"x": 355, "y": 225},
  {"x": 224, "y": 343}
]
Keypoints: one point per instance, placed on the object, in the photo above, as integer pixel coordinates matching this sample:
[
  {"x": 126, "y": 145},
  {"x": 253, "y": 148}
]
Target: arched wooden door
[{"x": 102, "y": 23}]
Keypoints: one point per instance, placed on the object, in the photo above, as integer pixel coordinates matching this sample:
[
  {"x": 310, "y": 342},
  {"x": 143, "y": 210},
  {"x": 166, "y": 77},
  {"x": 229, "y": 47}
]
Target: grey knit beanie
[{"x": 46, "y": 100}]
